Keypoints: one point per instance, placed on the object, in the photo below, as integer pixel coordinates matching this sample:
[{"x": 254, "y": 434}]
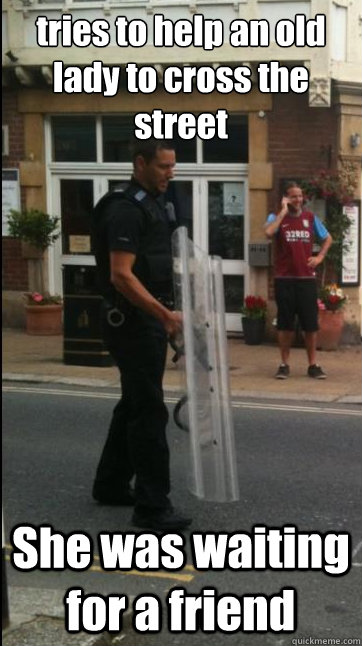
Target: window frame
[{"x": 99, "y": 143}]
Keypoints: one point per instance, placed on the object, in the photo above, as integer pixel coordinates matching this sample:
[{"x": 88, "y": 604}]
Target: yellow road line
[
  {"x": 158, "y": 575},
  {"x": 174, "y": 576}
]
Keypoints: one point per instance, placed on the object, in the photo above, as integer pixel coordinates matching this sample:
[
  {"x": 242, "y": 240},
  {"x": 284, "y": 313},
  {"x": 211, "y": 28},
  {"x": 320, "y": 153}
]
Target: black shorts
[{"x": 297, "y": 297}]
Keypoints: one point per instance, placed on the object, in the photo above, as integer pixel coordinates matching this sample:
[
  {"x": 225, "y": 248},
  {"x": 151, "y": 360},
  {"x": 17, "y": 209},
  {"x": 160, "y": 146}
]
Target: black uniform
[{"x": 140, "y": 223}]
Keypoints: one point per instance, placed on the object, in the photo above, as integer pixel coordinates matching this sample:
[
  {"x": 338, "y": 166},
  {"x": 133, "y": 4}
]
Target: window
[
  {"x": 180, "y": 194},
  {"x": 74, "y": 139},
  {"x": 234, "y": 288},
  {"x": 117, "y": 133},
  {"x": 231, "y": 150},
  {"x": 226, "y": 219},
  {"x": 76, "y": 197},
  {"x": 185, "y": 150}
]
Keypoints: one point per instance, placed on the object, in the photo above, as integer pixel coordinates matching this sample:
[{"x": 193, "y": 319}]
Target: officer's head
[{"x": 153, "y": 164}]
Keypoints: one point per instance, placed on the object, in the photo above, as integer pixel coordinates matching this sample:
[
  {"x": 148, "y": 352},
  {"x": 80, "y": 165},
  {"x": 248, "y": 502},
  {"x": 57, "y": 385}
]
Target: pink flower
[
  {"x": 321, "y": 305},
  {"x": 37, "y": 297}
]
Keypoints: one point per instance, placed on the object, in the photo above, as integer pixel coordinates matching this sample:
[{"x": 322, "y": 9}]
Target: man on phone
[{"x": 294, "y": 230}]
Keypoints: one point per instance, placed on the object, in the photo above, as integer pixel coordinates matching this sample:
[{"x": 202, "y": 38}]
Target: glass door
[
  {"x": 76, "y": 204},
  {"x": 213, "y": 211},
  {"x": 182, "y": 195},
  {"x": 73, "y": 200},
  {"x": 223, "y": 233},
  {"x": 212, "y": 208}
]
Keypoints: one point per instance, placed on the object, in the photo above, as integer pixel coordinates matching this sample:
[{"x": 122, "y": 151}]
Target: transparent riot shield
[{"x": 199, "y": 293}]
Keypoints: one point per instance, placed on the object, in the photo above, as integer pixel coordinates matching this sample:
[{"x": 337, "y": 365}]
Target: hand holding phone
[
  {"x": 285, "y": 203},
  {"x": 285, "y": 206},
  {"x": 288, "y": 206}
]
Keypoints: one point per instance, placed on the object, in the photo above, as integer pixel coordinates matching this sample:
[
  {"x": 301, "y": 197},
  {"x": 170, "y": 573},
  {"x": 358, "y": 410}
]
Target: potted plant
[
  {"x": 330, "y": 303},
  {"x": 39, "y": 230},
  {"x": 253, "y": 319},
  {"x": 337, "y": 189}
]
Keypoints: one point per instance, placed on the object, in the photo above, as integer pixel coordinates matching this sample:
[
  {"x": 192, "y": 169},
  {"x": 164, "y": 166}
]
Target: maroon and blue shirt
[{"x": 294, "y": 241}]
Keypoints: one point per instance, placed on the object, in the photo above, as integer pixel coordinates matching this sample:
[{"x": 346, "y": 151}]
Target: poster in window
[
  {"x": 351, "y": 256},
  {"x": 10, "y": 195},
  {"x": 233, "y": 198}
]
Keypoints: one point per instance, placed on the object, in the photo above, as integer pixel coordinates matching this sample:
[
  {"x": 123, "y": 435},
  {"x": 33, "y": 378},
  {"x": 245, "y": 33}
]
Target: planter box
[
  {"x": 254, "y": 330},
  {"x": 44, "y": 320},
  {"x": 330, "y": 329}
]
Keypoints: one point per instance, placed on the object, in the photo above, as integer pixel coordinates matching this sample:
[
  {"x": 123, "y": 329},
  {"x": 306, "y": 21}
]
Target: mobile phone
[{"x": 291, "y": 208}]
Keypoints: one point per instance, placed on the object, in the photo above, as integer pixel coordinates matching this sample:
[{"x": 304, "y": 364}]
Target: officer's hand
[{"x": 173, "y": 323}]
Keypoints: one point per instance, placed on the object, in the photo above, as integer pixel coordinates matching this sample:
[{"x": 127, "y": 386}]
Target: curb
[
  {"x": 54, "y": 379},
  {"x": 297, "y": 397},
  {"x": 235, "y": 394}
]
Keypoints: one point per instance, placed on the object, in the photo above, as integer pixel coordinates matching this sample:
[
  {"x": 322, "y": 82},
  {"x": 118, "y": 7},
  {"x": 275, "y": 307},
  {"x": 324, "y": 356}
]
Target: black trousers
[{"x": 136, "y": 442}]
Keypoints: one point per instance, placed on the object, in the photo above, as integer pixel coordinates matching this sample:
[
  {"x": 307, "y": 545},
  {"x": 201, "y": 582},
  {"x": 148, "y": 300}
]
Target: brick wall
[
  {"x": 14, "y": 267},
  {"x": 14, "y": 120},
  {"x": 302, "y": 140}
]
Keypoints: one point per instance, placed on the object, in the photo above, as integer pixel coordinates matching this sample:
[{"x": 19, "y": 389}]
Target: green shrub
[{"x": 33, "y": 226}]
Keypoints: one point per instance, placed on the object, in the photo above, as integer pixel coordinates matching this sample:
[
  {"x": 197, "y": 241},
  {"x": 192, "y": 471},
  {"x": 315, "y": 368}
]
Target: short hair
[{"x": 149, "y": 148}]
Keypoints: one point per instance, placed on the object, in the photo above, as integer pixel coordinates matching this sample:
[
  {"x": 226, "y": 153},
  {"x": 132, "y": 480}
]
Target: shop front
[{"x": 89, "y": 155}]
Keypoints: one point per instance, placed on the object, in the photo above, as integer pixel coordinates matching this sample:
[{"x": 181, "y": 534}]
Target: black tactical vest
[{"x": 153, "y": 265}]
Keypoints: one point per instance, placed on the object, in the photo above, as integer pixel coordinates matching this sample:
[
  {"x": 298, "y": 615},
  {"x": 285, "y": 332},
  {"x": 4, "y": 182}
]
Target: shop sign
[{"x": 352, "y": 255}]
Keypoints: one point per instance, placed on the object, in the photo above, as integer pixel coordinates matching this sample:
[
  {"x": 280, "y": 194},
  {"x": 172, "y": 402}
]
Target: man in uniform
[
  {"x": 132, "y": 244},
  {"x": 294, "y": 230}
]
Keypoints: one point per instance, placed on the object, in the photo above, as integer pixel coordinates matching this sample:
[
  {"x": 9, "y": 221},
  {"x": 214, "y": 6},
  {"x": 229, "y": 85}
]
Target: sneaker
[
  {"x": 165, "y": 520},
  {"x": 282, "y": 372},
  {"x": 316, "y": 372}
]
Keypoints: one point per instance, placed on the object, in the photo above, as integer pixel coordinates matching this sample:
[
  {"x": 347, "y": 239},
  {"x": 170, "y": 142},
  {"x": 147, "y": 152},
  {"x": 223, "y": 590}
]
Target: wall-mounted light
[
  {"x": 11, "y": 56},
  {"x": 355, "y": 140}
]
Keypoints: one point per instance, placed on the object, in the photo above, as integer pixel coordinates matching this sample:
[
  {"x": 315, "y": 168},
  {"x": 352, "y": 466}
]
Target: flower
[
  {"x": 254, "y": 307},
  {"x": 331, "y": 298},
  {"x": 338, "y": 186},
  {"x": 35, "y": 298}
]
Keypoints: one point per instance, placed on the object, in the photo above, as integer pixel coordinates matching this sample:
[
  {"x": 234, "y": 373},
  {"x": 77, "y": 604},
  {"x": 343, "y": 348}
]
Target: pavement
[
  {"x": 37, "y": 616},
  {"x": 251, "y": 369}
]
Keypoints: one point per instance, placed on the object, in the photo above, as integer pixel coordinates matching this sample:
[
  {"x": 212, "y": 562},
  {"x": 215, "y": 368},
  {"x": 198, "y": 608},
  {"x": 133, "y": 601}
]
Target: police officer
[{"x": 132, "y": 245}]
